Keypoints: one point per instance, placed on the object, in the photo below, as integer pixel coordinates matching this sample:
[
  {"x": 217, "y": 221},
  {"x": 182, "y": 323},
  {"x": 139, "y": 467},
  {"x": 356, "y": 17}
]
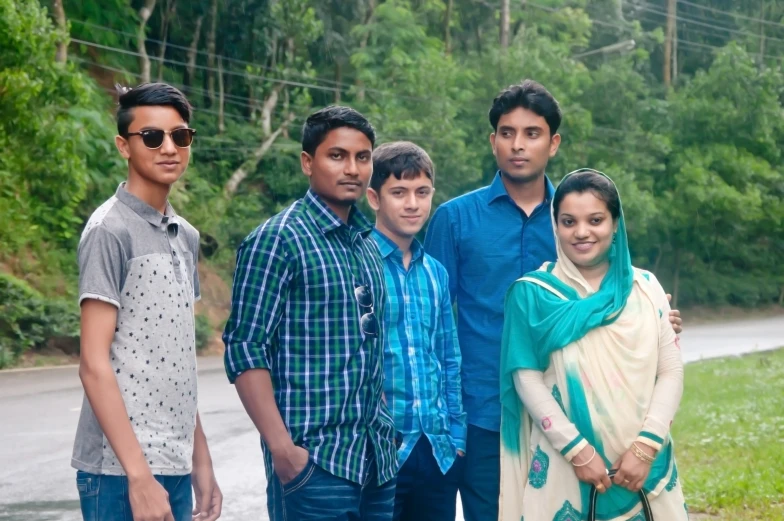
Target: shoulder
[
  {"x": 466, "y": 200},
  {"x": 435, "y": 267},
  {"x": 190, "y": 233},
  {"x": 278, "y": 231},
  {"x": 649, "y": 282},
  {"x": 107, "y": 222}
]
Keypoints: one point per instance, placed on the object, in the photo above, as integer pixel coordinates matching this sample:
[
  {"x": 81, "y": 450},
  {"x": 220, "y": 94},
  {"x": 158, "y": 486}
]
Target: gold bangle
[
  {"x": 587, "y": 462},
  {"x": 641, "y": 454}
]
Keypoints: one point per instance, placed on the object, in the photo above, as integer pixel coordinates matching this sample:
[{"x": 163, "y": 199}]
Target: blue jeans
[
  {"x": 105, "y": 498},
  {"x": 317, "y": 495},
  {"x": 480, "y": 483},
  {"x": 423, "y": 493}
]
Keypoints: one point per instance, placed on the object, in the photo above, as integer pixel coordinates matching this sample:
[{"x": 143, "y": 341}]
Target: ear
[
  {"x": 306, "y": 162},
  {"x": 123, "y": 146},
  {"x": 555, "y": 142},
  {"x": 374, "y": 199},
  {"x": 492, "y": 142}
]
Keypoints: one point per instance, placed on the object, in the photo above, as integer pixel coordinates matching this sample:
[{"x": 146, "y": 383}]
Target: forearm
[
  {"x": 103, "y": 392},
  {"x": 667, "y": 393},
  {"x": 547, "y": 414},
  {"x": 201, "y": 451},
  {"x": 255, "y": 391}
]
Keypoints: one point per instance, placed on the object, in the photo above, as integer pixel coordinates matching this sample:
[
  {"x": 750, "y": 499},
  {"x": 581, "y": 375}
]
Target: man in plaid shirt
[{"x": 304, "y": 343}]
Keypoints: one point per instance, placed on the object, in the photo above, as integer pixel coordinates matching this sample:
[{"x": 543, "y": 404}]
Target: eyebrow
[
  {"x": 153, "y": 127},
  {"x": 344, "y": 151},
  {"x": 531, "y": 127}
]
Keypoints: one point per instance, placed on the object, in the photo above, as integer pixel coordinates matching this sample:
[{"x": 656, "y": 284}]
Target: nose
[
  {"x": 412, "y": 203},
  {"x": 518, "y": 144},
  {"x": 581, "y": 231},
  {"x": 168, "y": 147},
  {"x": 351, "y": 167}
]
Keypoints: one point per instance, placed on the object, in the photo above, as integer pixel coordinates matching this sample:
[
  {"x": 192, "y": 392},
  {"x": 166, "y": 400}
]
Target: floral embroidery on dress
[
  {"x": 557, "y": 396},
  {"x": 568, "y": 513},
  {"x": 546, "y": 423},
  {"x": 673, "y": 479},
  {"x": 537, "y": 475}
]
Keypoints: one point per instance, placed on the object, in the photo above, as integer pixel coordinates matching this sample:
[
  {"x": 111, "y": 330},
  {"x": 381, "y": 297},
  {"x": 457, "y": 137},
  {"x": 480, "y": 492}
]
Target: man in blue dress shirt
[{"x": 487, "y": 239}]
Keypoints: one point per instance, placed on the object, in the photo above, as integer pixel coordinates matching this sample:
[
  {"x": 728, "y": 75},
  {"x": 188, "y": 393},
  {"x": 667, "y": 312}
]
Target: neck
[
  {"x": 527, "y": 193},
  {"x": 154, "y": 194},
  {"x": 594, "y": 275},
  {"x": 401, "y": 241}
]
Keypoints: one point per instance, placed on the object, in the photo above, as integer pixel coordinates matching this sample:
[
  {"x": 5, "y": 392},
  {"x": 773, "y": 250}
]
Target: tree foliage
[{"x": 698, "y": 163}]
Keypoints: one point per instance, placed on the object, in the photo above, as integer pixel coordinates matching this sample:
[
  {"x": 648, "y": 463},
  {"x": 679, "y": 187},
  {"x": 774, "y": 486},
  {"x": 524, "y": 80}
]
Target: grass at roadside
[{"x": 729, "y": 437}]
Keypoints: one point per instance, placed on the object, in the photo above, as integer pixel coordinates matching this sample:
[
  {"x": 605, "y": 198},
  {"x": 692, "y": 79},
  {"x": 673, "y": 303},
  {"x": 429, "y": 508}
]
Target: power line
[
  {"x": 207, "y": 53},
  {"x": 242, "y": 102},
  {"x": 345, "y": 87},
  {"x": 712, "y": 26},
  {"x": 729, "y": 13}
]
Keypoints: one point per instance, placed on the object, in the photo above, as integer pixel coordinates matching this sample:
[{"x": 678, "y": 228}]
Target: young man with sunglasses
[
  {"x": 140, "y": 450},
  {"x": 421, "y": 354},
  {"x": 304, "y": 345}
]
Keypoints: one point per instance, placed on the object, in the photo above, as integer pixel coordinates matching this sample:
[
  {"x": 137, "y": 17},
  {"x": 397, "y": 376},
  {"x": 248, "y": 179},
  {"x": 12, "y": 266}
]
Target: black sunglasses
[
  {"x": 368, "y": 322},
  {"x": 153, "y": 138}
]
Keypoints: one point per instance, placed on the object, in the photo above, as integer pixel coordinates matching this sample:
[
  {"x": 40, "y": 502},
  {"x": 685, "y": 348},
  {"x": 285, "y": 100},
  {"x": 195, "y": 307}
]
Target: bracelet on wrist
[{"x": 587, "y": 462}]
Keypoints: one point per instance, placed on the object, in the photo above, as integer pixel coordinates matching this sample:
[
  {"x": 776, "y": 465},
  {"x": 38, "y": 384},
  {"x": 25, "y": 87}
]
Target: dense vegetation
[{"x": 690, "y": 121}]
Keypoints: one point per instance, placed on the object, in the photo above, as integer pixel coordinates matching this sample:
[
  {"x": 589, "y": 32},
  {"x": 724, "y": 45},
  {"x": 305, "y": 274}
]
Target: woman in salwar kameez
[{"x": 591, "y": 374}]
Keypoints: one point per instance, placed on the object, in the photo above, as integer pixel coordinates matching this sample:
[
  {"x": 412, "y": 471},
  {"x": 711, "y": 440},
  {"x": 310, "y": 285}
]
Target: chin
[{"x": 522, "y": 177}]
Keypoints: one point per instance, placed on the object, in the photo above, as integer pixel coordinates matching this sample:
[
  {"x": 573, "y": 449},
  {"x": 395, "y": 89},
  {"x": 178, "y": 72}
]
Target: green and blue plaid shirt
[{"x": 294, "y": 313}]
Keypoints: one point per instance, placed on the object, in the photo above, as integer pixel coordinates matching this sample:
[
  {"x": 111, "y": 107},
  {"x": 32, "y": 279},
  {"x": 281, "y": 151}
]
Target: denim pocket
[
  {"x": 300, "y": 480},
  {"x": 87, "y": 484}
]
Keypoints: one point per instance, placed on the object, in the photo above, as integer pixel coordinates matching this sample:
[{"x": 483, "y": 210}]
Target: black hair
[
  {"x": 321, "y": 122},
  {"x": 147, "y": 95},
  {"x": 402, "y": 159},
  {"x": 589, "y": 181},
  {"x": 529, "y": 95}
]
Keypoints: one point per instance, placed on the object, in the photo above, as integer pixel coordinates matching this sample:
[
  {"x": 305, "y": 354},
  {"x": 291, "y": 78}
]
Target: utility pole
[{"x": 669, "y": 40}]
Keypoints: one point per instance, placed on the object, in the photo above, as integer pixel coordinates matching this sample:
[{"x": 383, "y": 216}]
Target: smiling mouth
[{"x": 583, "y": 246}]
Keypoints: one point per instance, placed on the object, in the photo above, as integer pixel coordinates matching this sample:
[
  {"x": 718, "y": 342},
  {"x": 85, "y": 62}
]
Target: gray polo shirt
[{"x": 144, "y": 263}]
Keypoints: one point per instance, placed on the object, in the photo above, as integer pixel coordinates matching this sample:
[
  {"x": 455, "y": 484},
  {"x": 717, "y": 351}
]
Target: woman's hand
[
  {"x": 631, "y": 470},
  {"x": 590, "y": 468}
]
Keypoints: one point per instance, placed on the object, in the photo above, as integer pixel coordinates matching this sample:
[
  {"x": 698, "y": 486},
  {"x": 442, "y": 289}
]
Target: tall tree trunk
[
  {"x": 211, "y": 51},
  {"x": 447, "y": 31},
  {"x": 338, "y": 81},
  {"x": 762, "y": 36},
  {"x": 675, "y": 55},
  {"x": 676, "y": 279},
  {"x": 252, "y": 163},
  {"x": 363, "y": 44},
  {"x": 168, "y": 13},
  {"x": 190, "y": 69},
  {"x": 669, "y": 38},
  {"x": 62, "y": 45},
  {"x": 221, "y": 121},
  {"x": 266, "y": 110},
  {"x": 141, "y": 39},
  {"x": 504, "y": 24}
]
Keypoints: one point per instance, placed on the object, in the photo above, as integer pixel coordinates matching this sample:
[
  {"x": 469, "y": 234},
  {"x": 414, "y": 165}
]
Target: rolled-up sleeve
[{"x": 260, "y": 290}]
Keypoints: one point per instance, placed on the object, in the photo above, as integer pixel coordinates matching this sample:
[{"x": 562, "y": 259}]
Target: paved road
[{"x": 39, "y": 411}]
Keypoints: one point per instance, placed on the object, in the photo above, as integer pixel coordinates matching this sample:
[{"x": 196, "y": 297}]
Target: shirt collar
[
  {"x": 387, "y": 247},
  {"x": 498, "y": 190},
  {"x": 144, "y": 210},
  {"x": 328, "y": 220}
]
